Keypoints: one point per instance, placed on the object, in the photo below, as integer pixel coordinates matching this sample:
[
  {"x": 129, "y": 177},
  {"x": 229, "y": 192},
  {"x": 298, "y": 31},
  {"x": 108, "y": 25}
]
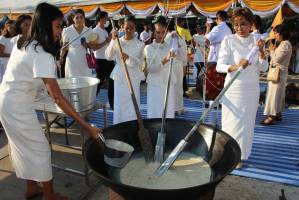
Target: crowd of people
[{"x": 32, "y": 50}]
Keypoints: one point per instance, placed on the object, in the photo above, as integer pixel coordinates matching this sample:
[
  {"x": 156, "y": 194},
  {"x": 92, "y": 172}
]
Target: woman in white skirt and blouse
[
  {"x": 32, "y": 66},
  {"x": 76, "y": 63},
  {"x": 133, "y": 55},
  {"x": 240, "y": 102}
]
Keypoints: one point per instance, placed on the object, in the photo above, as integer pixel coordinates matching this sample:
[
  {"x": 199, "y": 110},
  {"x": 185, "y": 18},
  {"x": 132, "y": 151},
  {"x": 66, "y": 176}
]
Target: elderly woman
[
  {"x": 280, "y": 57},
  {"x": 240, "y": 103},
  {"x": 76, "y": 63}
]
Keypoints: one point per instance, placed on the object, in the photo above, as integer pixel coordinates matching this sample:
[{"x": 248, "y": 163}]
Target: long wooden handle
[{"x": 132, "y": 93}]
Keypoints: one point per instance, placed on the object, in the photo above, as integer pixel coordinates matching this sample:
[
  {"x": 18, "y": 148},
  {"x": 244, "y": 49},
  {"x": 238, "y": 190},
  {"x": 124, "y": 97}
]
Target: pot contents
[{"x": 189, "y": 170}]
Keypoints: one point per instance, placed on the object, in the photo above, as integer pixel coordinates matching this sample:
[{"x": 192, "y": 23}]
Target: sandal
[
  {"x": 268, "y": 121},
  {"x": 278, "y": 118}
]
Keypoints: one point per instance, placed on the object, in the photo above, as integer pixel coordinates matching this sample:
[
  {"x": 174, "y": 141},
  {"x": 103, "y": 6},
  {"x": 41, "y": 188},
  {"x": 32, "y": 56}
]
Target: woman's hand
[
  {"x": 260, "y": 44},
  {"x": 94, "y": 132},
  {"x": 125, "y": 56},
  {"x": 114, "y": 34},
  {"x": 170, "y": 55},
  {"x": 243, "y": 63}
]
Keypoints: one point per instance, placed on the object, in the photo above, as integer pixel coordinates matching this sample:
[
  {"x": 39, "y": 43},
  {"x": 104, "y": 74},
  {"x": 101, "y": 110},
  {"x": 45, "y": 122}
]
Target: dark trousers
[
  {"x": 199, "y": 80},
  {"x": 104, "y": 70}
]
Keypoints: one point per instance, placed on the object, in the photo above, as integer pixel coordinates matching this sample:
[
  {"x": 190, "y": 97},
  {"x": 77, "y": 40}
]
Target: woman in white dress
[
  {"x": 6, "y": 45},
  {"x": 32, "y": 66},
  {"x": 240, "y": 102},
  {"x": 23, "y": 24},
  {"x": 133, "y": 56},
  {"x": 158, "y": 55},
  {"x": 178, "y": 70},
  {"x": 76, "y": 63}
]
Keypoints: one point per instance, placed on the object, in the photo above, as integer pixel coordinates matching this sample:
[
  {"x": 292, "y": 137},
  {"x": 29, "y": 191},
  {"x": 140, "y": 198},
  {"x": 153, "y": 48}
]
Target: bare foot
[
  {"x": 55, "y": 197},
  {"x": 239, "y": 165}
]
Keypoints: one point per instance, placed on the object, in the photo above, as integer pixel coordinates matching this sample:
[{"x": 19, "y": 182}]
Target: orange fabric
[
  {"x": 262, "y": 6},
  {"x": 86, "y": 9},
  {"x": 213, "y": 5},
  {"x": 296, "y": 2},
  {"x": 112, "y": 7},
  {"x": 174, "y": 4},
  {"x": 65, "y": 9},
  {"x": 277, "y": 20},
  {"x": 141, "y": 5}
]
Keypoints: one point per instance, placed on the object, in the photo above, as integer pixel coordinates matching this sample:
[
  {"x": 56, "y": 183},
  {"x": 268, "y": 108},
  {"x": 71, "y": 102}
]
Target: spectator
[
  {"x": 199, "y": 54},
  {"x": 280, "y": 57},
  {"x": 146, "y": 34},
  {"x": 6, "y": 45},
  {"x": 105, "y": 66},
  {"x": 23, "y": 24}
]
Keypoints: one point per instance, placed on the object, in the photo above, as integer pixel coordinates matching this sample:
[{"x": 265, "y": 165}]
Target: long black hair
[
  {"x": 41, "y": 28},
  {"x": 283, "y": 30}
]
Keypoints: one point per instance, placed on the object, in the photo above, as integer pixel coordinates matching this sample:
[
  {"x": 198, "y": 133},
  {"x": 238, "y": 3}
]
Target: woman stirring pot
[{"x": 32, "y": 65}]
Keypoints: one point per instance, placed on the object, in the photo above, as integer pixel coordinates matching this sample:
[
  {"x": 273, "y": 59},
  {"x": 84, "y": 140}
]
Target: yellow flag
[{"x": 277, "y": 20}]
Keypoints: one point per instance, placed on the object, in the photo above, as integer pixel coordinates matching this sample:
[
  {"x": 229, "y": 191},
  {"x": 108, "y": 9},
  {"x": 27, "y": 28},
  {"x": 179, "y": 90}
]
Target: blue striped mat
[{"x": 275, "y": 152}]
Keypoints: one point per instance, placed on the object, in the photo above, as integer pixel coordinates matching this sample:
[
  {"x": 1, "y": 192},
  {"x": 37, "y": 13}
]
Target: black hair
[
  {"x": 20, "y": 20},
  {"x": 5, "y": 32},
  {"x": 101, "y": 16},
  {"x": 161, "y": 21},
  {"x": 283, "y": 30},
  {"x": 79, "y": 11},
  {"x": 222, "y": 15},
  {"x": 257, "y": 22},
  {"x": 41, "y": 28},
  {"x": 130, "y": 18}
]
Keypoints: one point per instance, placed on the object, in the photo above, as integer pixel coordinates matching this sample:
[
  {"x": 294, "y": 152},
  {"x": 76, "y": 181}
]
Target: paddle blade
[
  {"x": 146, "y": 144},
  {"x": 159, "y": 149},
  {"x": 171, "y": 158}
]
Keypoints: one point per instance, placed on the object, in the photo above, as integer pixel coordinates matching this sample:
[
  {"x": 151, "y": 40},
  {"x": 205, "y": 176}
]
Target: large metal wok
[{"x": 219, "y": 149}]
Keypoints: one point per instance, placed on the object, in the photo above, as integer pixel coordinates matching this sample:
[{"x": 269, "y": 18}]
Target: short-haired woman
[
  {"x": 280, "y": 57},
  {"x": 240, "y": 102},
  {"x": 32, "y": 66},
  {"x": 132, "y": 54}
]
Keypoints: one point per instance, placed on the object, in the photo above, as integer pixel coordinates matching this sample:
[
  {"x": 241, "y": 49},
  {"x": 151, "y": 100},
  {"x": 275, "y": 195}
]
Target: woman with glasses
[
  {"x": 76, "y": 63},
  {"x": 240, "y": 102}
]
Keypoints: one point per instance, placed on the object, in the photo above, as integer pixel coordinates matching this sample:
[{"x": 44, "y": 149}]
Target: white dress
[
  {"x": 157, "y": 81},
  {"x": 240, "y": 102},
  {"x": 179, "y": 70},
  {"x": 7, "y": 49},
  {"x": 123, "y": 106},
  {"x": 30, "y": 151},
  {"x": 76, "y": 63}
]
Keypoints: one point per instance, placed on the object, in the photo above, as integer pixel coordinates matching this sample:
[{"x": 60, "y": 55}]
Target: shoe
[
  {"x": 239, "y": 165},
  {"x": 268, "y": 121},
  {"x": 278, "y": 118}
]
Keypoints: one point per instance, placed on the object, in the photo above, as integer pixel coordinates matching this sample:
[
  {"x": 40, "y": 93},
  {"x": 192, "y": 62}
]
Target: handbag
[
  {"x": 91, "y": 60},
  {"x": 273, "y": 73}
]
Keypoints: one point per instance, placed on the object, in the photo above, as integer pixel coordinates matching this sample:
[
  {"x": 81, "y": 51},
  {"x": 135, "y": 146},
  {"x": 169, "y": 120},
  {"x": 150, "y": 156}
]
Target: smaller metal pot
[{"x": 116, "y": 153}]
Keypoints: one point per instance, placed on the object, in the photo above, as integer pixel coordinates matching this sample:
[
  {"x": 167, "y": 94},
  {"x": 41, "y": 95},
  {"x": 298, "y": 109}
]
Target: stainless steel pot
[{"x": 80, "y": 91}]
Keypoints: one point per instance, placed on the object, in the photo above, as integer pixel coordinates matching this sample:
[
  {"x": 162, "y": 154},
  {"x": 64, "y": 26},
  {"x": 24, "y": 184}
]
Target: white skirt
[
  {"x": 155, "y": 101},
  {"x": 29, "y": 148},
  {"x": 239, "y": 108},
  {"x": 123, "y": 106}
]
